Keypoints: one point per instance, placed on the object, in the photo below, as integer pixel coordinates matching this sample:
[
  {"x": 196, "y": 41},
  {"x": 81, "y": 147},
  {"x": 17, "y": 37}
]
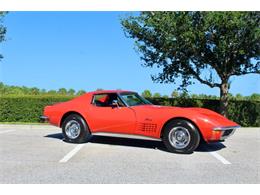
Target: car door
[{"x": 107, "y": 118}]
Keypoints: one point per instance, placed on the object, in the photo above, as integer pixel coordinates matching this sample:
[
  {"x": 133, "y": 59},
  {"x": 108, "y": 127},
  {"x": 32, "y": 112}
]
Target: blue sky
[{"x": 83, "y": 50}]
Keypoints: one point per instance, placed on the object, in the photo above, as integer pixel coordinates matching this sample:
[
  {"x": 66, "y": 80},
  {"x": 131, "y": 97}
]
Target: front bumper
[
  {"x": 44, "y": 119},
  {"x": 225, "y": 132}
]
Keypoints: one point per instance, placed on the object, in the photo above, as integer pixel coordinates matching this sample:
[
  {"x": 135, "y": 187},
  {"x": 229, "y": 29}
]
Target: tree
[
  {"x": 165, "y": 96},
  {"x": 194, "y": 96},
  {"x": 255, "y": 97},
  {"x": 43, "y": 91},
  {"x": 156, "y": 95},
  {"x": 71, "y": 92},
  {"x": 147, "y": 94},
  {"x": 209, "y": 47},
  {"x": 2, "y": 89},
  {"x": 81, "y": 92},
  {"x": 175, "y": 94},
  {"x": 34, "y": 91},
  {"x": 62, "y": 91},
  {"x": 2, "y": 29},
  {"x": 184, "y": 94},
  {"x": 52, "y": 92},
  {"x": 239, "y": 96}
]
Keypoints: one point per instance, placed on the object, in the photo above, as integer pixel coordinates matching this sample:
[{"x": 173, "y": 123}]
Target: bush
[
  {"x": 29, "y": 108},
  {"x": 244, "y": 112},
  {"x": 26, "y": 108}
]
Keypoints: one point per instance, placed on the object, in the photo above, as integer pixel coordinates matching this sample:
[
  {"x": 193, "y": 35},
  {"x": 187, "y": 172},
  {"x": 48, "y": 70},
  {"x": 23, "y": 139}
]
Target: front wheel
[
  {"x": 181, "y": 136},
  {"x": 75, "y": 129}
]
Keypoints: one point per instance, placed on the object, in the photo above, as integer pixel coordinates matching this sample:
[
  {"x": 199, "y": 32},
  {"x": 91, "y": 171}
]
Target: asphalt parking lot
[{"x": 38, "y": 154}]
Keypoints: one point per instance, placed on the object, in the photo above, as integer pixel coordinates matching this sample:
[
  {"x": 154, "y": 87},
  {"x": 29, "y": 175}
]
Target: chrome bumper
[
  {"x": 226, "y": 131},
  {"x": 44, "y": 119}
]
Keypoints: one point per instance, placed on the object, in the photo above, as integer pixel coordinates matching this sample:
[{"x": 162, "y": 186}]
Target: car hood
[
  {"x": 214, "y": 116},
  {"x": 191, "y": 113}
]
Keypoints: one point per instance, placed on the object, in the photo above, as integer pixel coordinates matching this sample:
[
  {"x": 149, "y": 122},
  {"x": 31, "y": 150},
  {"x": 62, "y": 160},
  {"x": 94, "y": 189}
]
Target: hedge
[
  {"x": 244, "y": 112},
  {"x": 29, "y": 108},
  {"x": 26, "y": 108}
]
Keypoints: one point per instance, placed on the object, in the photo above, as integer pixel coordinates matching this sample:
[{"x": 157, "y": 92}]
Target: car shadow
[
  {"x": 211, "y": 147},
  {"x": 140, "y": 143}
]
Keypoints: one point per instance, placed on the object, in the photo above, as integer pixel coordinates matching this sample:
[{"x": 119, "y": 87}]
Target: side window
[
  {"x": 106, "y": 100},
  {"x": 100, "y": 100}
]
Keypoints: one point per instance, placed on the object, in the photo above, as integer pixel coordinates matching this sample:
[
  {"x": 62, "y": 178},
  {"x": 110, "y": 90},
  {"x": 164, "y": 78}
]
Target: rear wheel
[
  {"x": 75, "y": 129},
  {"x": 181, "y": 136}
]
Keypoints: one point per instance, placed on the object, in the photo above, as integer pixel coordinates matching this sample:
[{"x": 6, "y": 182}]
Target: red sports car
[{"x": 126, "y": 112}]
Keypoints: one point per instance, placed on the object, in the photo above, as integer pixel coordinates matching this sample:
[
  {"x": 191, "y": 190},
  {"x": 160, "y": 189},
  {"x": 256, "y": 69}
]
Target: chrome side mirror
[{"x": 115, "y": 103}]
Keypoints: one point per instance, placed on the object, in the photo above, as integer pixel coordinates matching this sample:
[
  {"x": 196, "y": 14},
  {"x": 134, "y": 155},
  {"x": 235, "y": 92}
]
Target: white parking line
[
  {"x": 7, "y": 131},
  {"x": 220, "y": 158},
  {"x": 71, "y": 153}
]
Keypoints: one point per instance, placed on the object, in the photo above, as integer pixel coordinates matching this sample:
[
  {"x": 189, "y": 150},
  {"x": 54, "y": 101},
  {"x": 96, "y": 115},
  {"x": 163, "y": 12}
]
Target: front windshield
[{"x": 133, "y": 99}]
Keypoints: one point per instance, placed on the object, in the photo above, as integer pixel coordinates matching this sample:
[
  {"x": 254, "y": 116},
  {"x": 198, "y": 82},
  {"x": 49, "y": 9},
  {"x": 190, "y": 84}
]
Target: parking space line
[
  {"x": 220, "y": 158},
  {"x": 7, "y": 131},
  {"x": 68, "y": 156}
]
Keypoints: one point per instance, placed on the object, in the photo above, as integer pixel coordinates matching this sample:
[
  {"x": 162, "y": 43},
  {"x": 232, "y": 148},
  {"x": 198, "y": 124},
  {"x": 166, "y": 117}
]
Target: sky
[{"x": 84, "y": 50}]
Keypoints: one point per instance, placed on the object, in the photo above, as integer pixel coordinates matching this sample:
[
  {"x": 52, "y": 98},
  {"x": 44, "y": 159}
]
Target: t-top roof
[{"x": 109, "y": 91}]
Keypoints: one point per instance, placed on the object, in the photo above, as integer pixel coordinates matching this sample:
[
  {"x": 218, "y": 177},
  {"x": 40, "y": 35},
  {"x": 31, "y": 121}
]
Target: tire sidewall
[
  {"x": 194, "y": 136},
  {"x": 84, "y": 130}
]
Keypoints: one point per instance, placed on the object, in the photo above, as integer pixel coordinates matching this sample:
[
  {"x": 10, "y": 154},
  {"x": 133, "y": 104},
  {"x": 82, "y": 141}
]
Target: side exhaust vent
[{"x": 147, "y": 127}]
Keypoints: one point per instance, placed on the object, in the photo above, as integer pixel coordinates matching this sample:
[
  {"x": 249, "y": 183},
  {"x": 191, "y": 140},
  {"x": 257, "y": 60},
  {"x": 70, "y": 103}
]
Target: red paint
[{"x": 146, "y": 120}]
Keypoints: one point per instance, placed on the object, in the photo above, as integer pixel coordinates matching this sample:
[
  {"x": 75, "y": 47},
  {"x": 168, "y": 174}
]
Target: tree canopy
[
  {"x": 209, "y": 47},
  {"x": 6, "y": 90},
  {"x": 157, "y": 95},
  {"x": 17, "y": 90},
  {"x": 2, "y": 29},
  {"x": 147, "y": 93}
]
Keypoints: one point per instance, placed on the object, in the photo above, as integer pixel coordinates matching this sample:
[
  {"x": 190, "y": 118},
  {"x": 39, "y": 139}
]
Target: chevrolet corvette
[{"x": 117, "y": 112}]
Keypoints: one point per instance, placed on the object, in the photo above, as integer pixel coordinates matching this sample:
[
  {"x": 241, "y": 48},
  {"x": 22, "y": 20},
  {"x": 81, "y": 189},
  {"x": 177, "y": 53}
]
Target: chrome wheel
[
  {"x": 72, "y": 129},
  {"x": 179, "y": 137}
]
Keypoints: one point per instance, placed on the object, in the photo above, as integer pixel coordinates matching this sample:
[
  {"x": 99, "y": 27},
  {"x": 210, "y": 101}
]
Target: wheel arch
[
  {"x": 182, "y": 118},
  {"x": 69, "y": 113}
]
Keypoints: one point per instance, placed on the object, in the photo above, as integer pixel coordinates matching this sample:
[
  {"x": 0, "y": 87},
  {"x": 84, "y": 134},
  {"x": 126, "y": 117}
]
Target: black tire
[
  {"x": 190, "y": 132},
  {"x": 84, "y": 133}
]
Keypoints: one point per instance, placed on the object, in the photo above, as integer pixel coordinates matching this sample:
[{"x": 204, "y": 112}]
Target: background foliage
[
  {"x": 11, "y": 90},
  {"x": 26, "y": 108},
  {"x": 29, "y": 108},
  {"x": 244, "y": 112},
  {"x": 209, "y": 47}
]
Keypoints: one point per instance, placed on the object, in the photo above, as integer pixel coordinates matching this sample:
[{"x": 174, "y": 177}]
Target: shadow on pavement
[
  {"x": 131, "y": 142},
  {"x": 55, "y": 135},
  {"x": 203, "y": 147}
]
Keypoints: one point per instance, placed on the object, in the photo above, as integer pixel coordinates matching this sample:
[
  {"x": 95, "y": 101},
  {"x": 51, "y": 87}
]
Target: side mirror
[{"x": 115, "y": 104}]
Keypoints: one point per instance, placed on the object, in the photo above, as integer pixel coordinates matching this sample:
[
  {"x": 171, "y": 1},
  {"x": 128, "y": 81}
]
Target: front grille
[{"x": 227, "y": 132}]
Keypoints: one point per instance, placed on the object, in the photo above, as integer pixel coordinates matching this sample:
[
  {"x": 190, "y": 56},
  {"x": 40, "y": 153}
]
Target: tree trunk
[{"x": 223, "y": 98}]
